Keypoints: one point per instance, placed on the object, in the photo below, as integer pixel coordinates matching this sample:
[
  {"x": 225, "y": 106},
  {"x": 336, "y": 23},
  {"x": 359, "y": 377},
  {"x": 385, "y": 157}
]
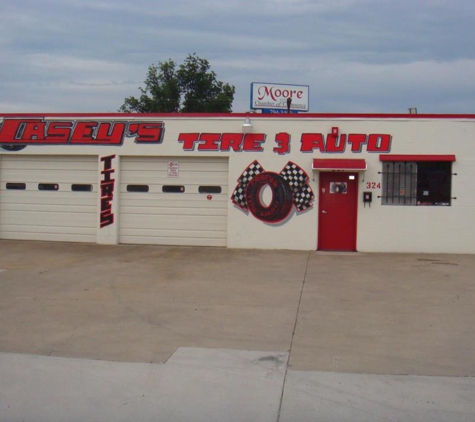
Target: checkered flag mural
[
  {"x": 289, "y": 188},
  {"x": 238, "y": 196},
  {"x": 303, "y": 198},
  {"x": 298, "y": 181}
]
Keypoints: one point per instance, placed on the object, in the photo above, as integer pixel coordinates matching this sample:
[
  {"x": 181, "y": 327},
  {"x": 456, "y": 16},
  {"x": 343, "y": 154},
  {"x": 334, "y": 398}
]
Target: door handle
[{"x": 324, "y": 212}]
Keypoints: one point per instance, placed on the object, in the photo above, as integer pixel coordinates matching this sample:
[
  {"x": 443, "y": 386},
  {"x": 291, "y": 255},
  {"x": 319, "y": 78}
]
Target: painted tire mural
[
  {"x": 282, "y": 197},
  {"x": 290, "y": 188}
]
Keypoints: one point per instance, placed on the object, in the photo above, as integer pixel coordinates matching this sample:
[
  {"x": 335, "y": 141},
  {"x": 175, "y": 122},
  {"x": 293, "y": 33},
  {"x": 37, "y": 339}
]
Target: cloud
[{"x": 356, "y": 55}]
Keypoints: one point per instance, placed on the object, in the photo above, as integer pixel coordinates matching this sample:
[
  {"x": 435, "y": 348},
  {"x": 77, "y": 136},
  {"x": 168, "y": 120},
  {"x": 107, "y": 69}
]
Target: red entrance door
[{"x": 338, "y": 201}]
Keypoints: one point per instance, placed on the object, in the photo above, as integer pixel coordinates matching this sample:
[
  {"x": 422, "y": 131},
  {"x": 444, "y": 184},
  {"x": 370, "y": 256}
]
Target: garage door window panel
[
  {"x": 16, "y": 186},
  {"x": 81, "y": 187},
  {"x": 48, "y": 186},
  {"x": 138, "y": 188},
  {"x": 210, "y": 189},
  {"x": 173, "y": 189}
]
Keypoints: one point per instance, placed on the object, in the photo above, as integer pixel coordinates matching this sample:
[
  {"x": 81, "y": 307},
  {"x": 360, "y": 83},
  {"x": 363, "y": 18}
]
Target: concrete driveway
[{"x": 319, "y": 313}]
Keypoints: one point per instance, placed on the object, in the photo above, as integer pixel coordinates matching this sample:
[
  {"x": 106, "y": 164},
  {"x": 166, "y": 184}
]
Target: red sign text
[{"x": 77, "y": 132}]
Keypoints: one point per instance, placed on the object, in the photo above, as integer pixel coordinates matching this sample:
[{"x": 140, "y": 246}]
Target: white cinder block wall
[{"x": 380, "y": 228}]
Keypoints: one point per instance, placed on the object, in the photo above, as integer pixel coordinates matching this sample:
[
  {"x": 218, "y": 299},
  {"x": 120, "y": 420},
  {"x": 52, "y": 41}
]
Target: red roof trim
[
  {"x": 339, "y": 164},
  {"x": 416, "y": 157},
  {"x": 244, "y": 115}
]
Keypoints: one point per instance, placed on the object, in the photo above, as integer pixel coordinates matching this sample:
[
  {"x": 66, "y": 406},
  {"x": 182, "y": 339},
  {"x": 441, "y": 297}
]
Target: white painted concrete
[
  {"x": 329, "y": 397},
  {"x": 194, "y": 385},
  {"x": 208, "y": 385}
]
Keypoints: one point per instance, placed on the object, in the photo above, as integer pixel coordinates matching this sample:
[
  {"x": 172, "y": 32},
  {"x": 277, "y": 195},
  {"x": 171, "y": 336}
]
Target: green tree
[{"x": 191, "y": 87}]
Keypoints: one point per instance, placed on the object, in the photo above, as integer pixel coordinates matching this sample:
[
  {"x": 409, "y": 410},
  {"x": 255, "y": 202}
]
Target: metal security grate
[
  {"x": 399, "y": 183},
  {"x": 417, "y": 183}
]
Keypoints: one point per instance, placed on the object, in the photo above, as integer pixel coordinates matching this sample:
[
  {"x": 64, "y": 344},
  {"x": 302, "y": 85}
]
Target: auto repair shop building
[{"x": 372, "y": 183}]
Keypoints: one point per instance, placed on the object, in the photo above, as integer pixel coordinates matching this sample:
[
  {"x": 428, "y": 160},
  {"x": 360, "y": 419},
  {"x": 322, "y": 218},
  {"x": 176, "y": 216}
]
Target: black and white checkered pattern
[
  {"x": 295, "y": 176},
  {"x": 303, "y": 198},
  {"x": 238, "y": 196},
  {"x": 297, "y": 179}
]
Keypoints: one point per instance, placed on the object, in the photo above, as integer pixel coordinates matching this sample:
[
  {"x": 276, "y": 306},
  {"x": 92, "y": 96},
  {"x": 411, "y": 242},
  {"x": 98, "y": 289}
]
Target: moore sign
[{"x": 274, "y": 96}]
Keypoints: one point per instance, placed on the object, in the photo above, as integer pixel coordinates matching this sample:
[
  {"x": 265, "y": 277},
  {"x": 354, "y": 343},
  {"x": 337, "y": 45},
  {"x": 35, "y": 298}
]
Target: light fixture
[
  {"x": 413, "y": 110},
  {"x": 335, "y": 131},
  {"x": 247, "y": 126}
]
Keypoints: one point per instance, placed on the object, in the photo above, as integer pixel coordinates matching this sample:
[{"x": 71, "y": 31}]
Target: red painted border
[
  {"x": 339, "y": 163},
  {"x": 415, "y": 157},
  {"x": 244, "y": 115}
]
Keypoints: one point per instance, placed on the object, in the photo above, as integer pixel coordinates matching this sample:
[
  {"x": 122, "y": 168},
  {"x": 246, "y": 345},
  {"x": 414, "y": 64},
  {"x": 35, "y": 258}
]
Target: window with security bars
[{"x": 417, "y": 183}]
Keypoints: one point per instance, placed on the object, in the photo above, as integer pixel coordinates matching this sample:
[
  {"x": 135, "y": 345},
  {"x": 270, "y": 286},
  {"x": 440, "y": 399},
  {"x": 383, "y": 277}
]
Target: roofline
[{"x": 248, "y": 114}]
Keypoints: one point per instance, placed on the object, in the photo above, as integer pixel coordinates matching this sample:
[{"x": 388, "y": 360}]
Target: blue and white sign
[
  {"x": 277, "y": 111},
  {"x": 274, "y": 96}
]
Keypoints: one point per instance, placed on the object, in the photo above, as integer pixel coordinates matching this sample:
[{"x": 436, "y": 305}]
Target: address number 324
[{"x": 373, "y": 185}]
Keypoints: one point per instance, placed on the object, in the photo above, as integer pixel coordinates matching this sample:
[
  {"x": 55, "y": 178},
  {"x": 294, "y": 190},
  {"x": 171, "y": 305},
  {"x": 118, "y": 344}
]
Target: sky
[{"x": 356, "y": 56}]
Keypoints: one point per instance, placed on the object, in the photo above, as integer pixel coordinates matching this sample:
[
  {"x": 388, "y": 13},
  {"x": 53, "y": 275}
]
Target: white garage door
[
  {"x": 174, "y": 201},
  {"x": 48, "y": 198}
]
